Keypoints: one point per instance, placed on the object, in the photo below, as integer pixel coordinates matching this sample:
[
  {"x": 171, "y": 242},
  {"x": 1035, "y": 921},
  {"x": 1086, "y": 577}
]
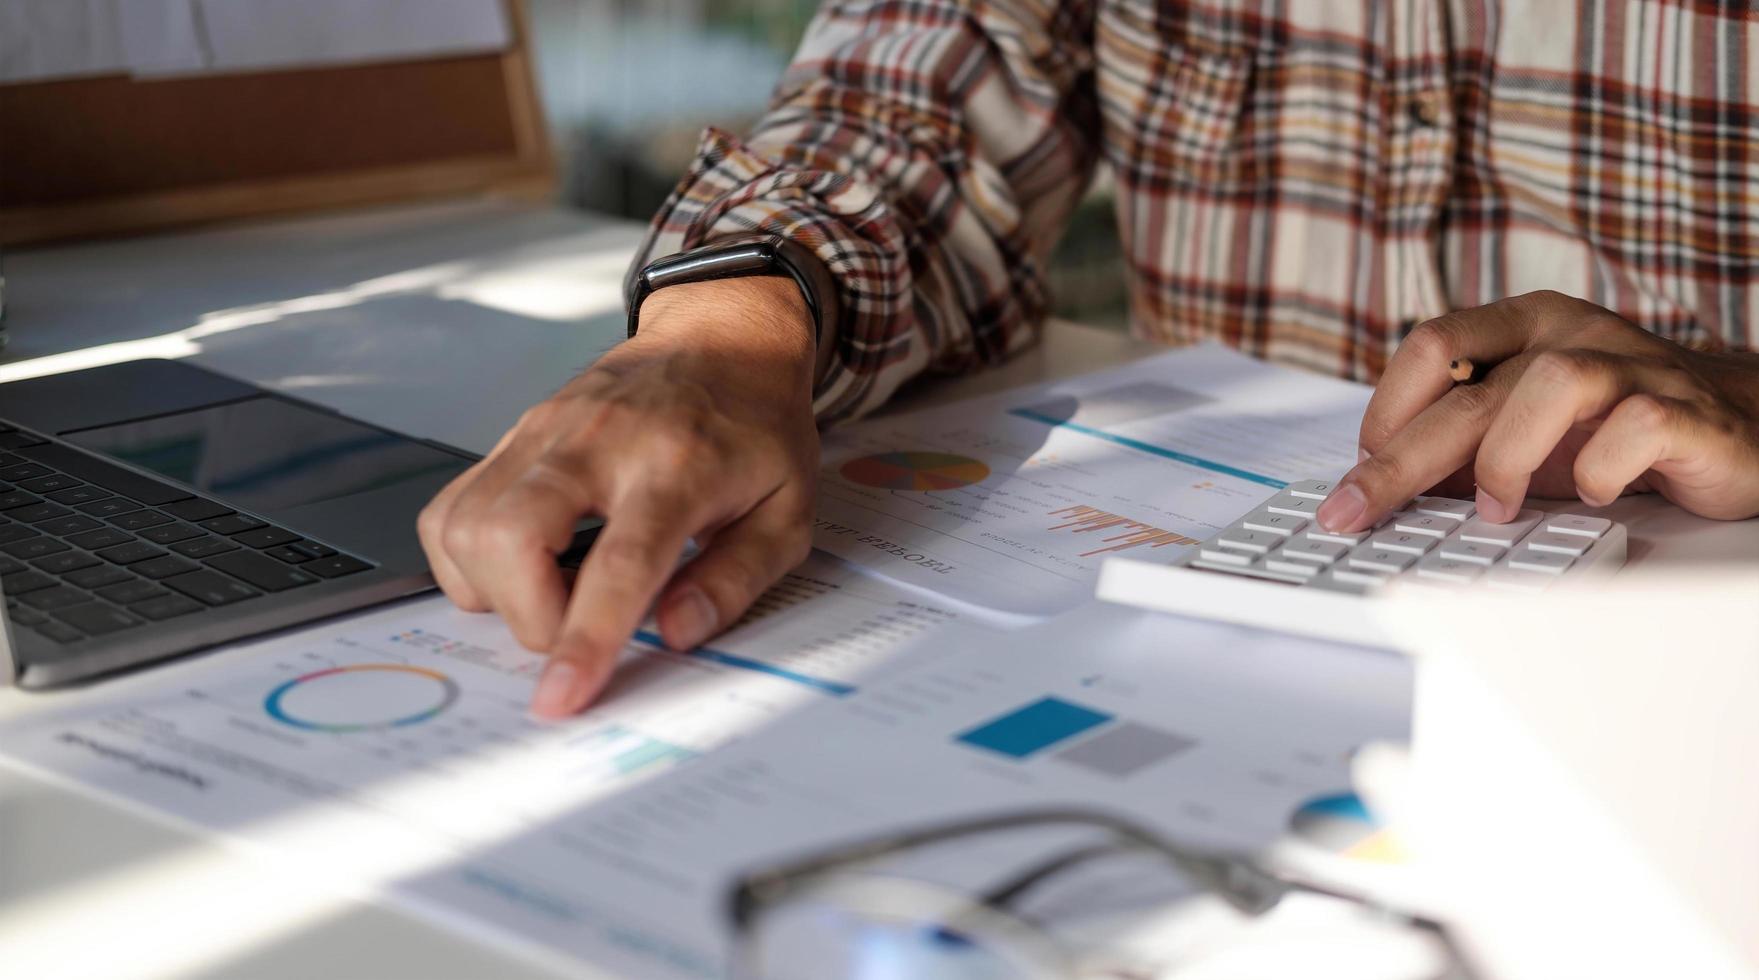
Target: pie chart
[
  {"x": 361, "y": 697},
  {"x": 914, "y": 470}
]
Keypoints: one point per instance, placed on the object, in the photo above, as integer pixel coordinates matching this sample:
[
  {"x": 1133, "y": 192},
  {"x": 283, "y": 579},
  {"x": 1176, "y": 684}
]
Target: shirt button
[{"x": 1428, "y": 108}]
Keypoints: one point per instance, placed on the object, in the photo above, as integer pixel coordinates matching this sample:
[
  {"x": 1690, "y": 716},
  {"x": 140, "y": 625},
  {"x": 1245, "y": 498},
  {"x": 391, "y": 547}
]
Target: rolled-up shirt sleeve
[{"x": 929, "y": 152}]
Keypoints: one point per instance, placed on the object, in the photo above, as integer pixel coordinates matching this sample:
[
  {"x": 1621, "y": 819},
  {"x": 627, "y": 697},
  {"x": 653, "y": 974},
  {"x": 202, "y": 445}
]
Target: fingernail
[
  {"x": 1492, "y": 509},
  {"x": 1342, "y": 508},
  {"x": 559, "y": 690},
  {"x": 1361, "y": 455},
  {"x": 688, "y": 619}
]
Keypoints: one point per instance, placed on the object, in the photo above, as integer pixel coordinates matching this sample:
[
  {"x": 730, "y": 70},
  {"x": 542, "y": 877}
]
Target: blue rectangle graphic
[
  {"x": 1034, "y": 728},
  {"x": 1146, "y": 447}
]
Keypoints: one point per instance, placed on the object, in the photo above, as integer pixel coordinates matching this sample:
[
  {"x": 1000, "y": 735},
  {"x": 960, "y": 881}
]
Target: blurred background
[{"x": 629, "y": 84}]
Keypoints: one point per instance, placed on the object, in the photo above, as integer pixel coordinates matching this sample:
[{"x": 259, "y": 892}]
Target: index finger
[
  {"x": 1418, "y": 374},
  {"x": 633, "y": 556}
]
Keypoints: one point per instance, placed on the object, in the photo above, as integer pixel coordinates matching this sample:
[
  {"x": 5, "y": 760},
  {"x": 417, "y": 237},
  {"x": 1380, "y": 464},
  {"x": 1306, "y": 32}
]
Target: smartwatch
[{"x": 735, "y": 258}]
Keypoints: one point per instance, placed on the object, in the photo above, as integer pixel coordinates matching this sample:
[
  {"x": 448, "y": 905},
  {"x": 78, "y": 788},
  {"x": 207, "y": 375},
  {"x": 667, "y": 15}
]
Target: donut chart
[
  {"x": 361, "y": 698},
  {"x": 915, "y": 471}
]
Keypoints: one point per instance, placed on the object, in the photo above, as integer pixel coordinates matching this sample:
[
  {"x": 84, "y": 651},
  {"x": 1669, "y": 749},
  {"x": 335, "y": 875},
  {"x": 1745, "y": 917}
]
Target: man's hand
[
  {"x": 699, "y": 427},
  {"x": 1579, "y": 403}
]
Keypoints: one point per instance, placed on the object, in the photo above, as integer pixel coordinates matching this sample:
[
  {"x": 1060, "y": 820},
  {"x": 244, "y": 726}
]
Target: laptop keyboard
[{"x": 88, "y": 548}]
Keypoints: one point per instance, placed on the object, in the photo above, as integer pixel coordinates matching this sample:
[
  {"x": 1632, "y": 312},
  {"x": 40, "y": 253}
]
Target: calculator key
[
  {"x": 204, "y": 546},
  {"x": 1506, "y": 535},
  {"x": 167, "y": 606},
  {"x": 35, "y": 547},
  {"x": 1222, "y": 556},
  {"x": 1283, "y": 503},
  {"x": 1255, "y": 542},
  {"x": 96, "y": 619},
  {"x": 1519, "y": 580},
  {"x": 59, "y": 632},
  {"x": 97, "y": 576},
  {"x": 1439, "y": 567},
  {"x": 18, "y": 583},
  {"x": 54, "y": 597},
  {"x": 1549, "y": 562},
  {"x": 265, "y": 537},
  {"x": 170, "y": 533},
  {"x": 108, "y": 507},
  {"x": 101, "y": 538},
  {"x": 63, "y": 526},
  {"x": 1316, "y": 533},
  {"x": 1444, "y": 507},
  {"x": 1412, "y": 522},
  {"x": 1574, "y": 545},
  {"x": 67, "y": 561},
  {"x": 1263, "y": 519},
  {"x": 84, "y": 493},
  {"x": 195, "y": 509},
  {"x": 1475, "y": 552},
  {"x": 1329, "y": 581},
  {"x": 140, "y": 520},
  {"x": 1314, "y": 490},
  {"x": 1359, "y": 577},
  {"x": 128, "y": 554},
  {"x": 135, "y": 590},
  {"x": 37, "y": 512},
  {"x": 1411, "y": 544},
  {"x": 1301, "y": 569},
  {"x": 1368, "y": 558},
  {"x": 1311, "y": 551},
  {"x": 1588, "y": 527},
  {"x": 261, "y": 571},
  {"x": 164, "y": 566},
  {"x": 232, "y": 524},
  {"x": 211, "y": 587}
]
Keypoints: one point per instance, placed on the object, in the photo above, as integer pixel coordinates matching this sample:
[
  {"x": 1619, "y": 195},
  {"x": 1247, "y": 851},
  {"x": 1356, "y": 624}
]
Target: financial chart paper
[{"x": 1012, "y": 502}]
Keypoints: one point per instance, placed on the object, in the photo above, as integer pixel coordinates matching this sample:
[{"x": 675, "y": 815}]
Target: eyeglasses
[{"x": 1053, "y": 894}]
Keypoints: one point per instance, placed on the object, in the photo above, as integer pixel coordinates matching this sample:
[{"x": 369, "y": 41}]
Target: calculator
[{"x": 1276, "y": 568}]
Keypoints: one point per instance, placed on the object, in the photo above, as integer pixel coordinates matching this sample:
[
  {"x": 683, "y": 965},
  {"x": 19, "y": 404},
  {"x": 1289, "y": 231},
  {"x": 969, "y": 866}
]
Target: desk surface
[{"x": 445, "y": 322}]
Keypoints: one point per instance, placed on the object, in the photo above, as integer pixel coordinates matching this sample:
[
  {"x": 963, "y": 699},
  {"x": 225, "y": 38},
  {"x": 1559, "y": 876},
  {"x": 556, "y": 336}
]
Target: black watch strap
[{"x": 734, "y": 258}]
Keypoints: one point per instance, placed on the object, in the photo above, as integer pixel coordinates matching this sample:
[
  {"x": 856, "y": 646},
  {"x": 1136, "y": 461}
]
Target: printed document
[
  {"x": 1013, "y": 501},
  {"x": 393, "y": 752}
]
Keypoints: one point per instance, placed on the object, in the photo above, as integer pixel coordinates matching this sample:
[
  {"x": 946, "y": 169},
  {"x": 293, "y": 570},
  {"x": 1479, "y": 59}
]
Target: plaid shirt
[{"x": 1303, "y": 179}]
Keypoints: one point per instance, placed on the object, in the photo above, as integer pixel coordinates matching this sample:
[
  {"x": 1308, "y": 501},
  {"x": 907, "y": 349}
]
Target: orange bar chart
[{"x": 1132, "y": 534}]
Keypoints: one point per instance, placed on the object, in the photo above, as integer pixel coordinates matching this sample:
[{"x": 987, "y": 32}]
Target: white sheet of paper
[
  {"x": 392, "y": 753},
  {"x": 1013, "y": 501},
  {"x": 254, "y": 34},
  {"x": 409, "y": 725},
  {"x": 46, "y": 39},
  {"x": 1249, "y": 726}
]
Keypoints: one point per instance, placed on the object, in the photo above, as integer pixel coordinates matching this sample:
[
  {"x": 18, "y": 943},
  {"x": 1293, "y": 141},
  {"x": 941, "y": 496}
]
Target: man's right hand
[{"x": 699, "y": 427}]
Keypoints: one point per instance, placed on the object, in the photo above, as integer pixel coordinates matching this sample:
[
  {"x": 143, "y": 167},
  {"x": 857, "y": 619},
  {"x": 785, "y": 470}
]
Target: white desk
[{"x": 445, "y": 322}]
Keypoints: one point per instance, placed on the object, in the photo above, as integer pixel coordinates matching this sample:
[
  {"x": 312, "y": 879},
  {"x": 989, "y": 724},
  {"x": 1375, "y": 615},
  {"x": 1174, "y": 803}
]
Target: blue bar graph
[{"x": 1034, "y": 728}]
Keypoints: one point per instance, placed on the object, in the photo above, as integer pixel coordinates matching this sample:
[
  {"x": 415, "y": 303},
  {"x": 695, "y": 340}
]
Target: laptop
[{"x": 153, "y": 508}]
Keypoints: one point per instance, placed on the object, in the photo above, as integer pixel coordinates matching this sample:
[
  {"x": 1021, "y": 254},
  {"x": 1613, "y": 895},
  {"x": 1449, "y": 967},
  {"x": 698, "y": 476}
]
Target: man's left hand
[{"x": 1577, "y": 403}]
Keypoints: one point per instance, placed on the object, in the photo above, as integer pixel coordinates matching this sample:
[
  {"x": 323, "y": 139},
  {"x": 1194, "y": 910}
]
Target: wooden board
[{"x": 113, "y": 155}]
